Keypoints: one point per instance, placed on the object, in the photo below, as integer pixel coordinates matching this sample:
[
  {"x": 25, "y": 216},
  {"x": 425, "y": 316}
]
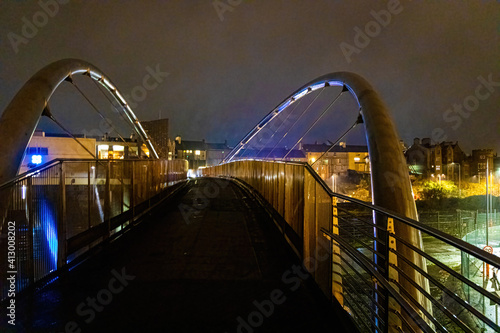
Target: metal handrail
[
  {"x": 30, "y": 172},
  {"x": 415, "y": 314},
  {"x": 366, "y": 264},
  {"x": 42, "y": 206},
  {"x": 448, "y": 239},
  {"x": 56, "y": 161}
]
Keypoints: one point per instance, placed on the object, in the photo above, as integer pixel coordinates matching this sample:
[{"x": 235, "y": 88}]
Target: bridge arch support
[
  {"x": 391, "y": 186},
  {"x": 20, "y": 118}
]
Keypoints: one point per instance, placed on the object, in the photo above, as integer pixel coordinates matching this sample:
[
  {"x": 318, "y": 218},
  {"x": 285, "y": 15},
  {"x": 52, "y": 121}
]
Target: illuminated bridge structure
[{"x": 367, "y": 259}]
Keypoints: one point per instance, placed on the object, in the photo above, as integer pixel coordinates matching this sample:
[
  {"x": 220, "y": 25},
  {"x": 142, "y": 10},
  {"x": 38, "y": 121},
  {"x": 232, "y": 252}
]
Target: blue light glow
[
  {"x": 301, "y": 94},
  {"x": 49, "y": 231},
  {"x": 282, "y": 107},
  {"x": 36, "y": 159},
  {"x": 317, "y": 86},
  {"x": 51, "y": 236}
]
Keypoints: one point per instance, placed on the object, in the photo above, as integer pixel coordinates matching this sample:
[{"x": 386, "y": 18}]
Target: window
[
  {"x": 37, "y": 150},
  {"x": 197, "y": 152}
]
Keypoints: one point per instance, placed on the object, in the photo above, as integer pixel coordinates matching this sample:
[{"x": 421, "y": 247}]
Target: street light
[{"x": 459, "y": 177}]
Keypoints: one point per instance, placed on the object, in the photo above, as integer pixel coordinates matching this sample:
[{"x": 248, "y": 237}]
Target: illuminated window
[
  {"x": 37, "y": 151},
  {"x": 197, "y": 152},
  {"x": 36, "y": 159},
  {"x": 118, "y": 148},
  {"x": 356, "y": 159}
]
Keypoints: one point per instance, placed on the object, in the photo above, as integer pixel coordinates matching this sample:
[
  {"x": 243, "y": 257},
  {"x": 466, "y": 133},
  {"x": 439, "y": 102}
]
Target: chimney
[{"x": 416, "y": 141}]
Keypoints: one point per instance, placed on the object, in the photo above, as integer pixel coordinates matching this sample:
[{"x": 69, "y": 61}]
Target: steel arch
[
  {"x": 20, "y": 118},
  {"x": 390, "y": 181}
]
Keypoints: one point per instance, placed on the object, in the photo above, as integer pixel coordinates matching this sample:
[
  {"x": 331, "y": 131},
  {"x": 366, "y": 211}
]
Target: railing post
[
  {"x": 337, "y": 287},
  {"x": 61, "y": 221},
  {"x": 382, "y": 265},
  {"x": 29, "y": 200},
  {"x": 107, "y": 201},
  {"x": 132, "y": 192},
  {"x": 89, "y": 196},
  {"x": 393, "y": 322}
]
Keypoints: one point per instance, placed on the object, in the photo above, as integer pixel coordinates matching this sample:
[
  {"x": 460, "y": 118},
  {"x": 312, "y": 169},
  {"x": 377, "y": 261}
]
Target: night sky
[{"x": 229, "y": 66}]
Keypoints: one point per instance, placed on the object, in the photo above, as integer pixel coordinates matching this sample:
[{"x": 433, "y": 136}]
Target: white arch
[{"x": 20, "y": 118}]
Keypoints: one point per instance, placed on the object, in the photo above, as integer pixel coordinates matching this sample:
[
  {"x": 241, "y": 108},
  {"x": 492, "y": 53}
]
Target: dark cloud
[{"x": 226, "y": 75}]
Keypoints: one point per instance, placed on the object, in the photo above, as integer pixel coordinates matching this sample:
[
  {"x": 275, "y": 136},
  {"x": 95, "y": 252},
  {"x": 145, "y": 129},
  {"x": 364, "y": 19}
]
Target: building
[
  {"x": 157, "y": 131},
  {"x": 339, "y": 160},
  {"x": 216, "y": 152},
  {"x": 445, "y": 159},
  {"x": 116, "y": 148},
  {"x": 200, "y": 153},
  {"x": 453, "y": 161},
  {"x": 481, "y": 160},
  {"x": 44, "y": 148}
]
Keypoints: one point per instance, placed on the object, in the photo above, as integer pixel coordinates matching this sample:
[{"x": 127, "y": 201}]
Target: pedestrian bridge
[{"x": 251, "y": 245}]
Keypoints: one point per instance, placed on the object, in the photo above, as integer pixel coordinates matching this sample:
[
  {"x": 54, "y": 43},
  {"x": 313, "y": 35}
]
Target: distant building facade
[
  {"x": 157, "y": 131},
  {"x": 44, "y": 148},
  {"x": 200, "y": 153},
  {"x": 338, "y": 160},
  {"x": 481, "y": 160},
  {"x": 446, "y": 158},
  {"x": 116, "y": 148}
]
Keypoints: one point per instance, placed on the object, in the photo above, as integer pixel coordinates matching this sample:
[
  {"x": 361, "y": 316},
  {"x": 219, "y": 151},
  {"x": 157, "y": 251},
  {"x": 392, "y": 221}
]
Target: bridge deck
[{"x": 209, "y": 261}]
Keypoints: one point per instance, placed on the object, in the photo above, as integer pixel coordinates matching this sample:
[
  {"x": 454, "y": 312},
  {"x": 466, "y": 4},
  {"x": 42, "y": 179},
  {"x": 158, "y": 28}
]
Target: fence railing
[
  {"x": 54, "y": 213},
  {"x": 335, "y": 236}
]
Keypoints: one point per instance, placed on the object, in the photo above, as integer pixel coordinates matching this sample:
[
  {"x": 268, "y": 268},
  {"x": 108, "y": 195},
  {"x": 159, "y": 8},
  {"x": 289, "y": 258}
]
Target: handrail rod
[{"x": 380, "y": 279}]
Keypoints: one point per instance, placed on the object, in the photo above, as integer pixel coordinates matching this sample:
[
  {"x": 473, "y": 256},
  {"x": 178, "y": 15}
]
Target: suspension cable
[
  {"x": 358, "y": 121},
  {"x": 281, "y": 125},
  {"x": 47, "y": 113},
  {"x": 295, "y": 122},
  {"x": 344, "y": 89},
  {"x": 94, "y": 107},
  {"x": 118, "y": 109}
]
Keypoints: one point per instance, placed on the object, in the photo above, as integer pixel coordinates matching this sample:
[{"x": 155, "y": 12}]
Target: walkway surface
[{"x": 210, "y": 260}]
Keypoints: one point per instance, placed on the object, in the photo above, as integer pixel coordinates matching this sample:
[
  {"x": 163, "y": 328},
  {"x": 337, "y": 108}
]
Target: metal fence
[
  {"x": 57, "y": 212},
  {"x": 339, "y": 242}
]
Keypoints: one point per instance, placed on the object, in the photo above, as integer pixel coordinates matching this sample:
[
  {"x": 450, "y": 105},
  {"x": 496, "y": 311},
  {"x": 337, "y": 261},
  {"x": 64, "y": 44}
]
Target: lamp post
[
  {"x": 459, "y": 178},
  {"x": 487, "y": 201}
]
